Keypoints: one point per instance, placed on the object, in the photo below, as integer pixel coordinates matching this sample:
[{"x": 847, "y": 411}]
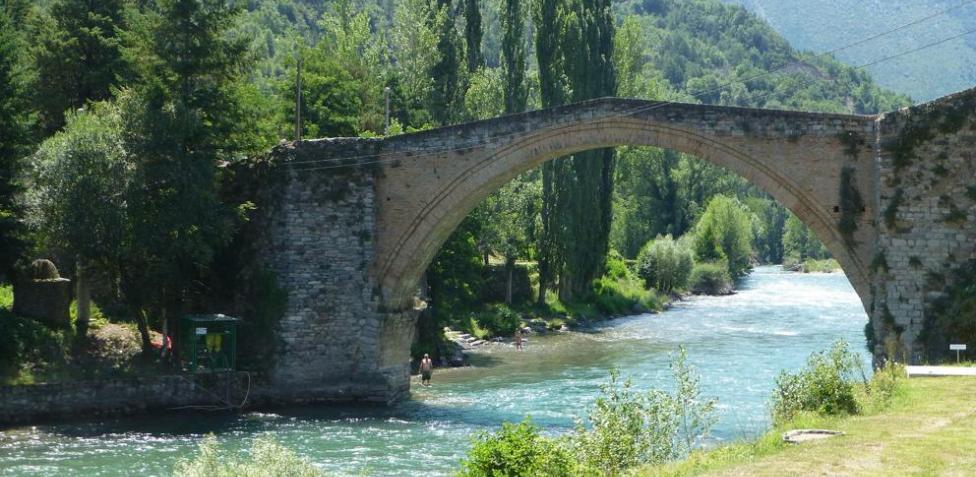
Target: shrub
[
  {"x": 725, "y": 232},
  {"x": 826, "y": 386},
  {"x": 883, "y": 385},
  {"x": 710, "y": 278},
  {"x": 266, "y": 459},
  {"x": 623, "y": 295},
  {"x": 499, "y": 320},
  {"x": 629, "y": 428},
  {"x": 665, "y": 264},
  {"x": 800, "y": 244},
  {"x": 28, "y": 346},
  {"x": 617, "y": 266},
  {"x": 518, "y": 450}
]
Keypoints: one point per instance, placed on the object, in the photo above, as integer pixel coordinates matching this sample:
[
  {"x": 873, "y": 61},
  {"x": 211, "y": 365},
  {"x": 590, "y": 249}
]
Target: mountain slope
[{"x": 823, "y": 25}]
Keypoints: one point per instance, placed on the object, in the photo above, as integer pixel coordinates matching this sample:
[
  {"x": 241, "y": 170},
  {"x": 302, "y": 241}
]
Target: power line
[{"x": 430, "y": 151}]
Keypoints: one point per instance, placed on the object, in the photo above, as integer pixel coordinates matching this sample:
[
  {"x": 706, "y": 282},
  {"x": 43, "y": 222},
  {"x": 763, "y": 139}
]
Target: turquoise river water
[{"x": 738, "y": 343}]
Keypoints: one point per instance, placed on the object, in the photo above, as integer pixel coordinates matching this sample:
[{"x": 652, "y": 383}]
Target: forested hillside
[
  {"x": 121, "y": 116},
  {"x": 824, "y": 25}
]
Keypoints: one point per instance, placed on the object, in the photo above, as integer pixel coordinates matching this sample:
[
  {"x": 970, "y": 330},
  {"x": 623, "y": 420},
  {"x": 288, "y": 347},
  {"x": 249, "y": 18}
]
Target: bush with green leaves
[
  {"x": 827, "y": 385},
  {"x": 518, "y": 450},
  {"x": 665, "y": 264},
  {"x": 499, "y": 320},
  {"x": 710, "y": 278},
  {"x": 266, "y": 458},
  {"x": 799, "y": 243},
  {"x": 627, "y": 428},
  {"x": 724, "y": 233},
  {"x": 625, "y": 295}
]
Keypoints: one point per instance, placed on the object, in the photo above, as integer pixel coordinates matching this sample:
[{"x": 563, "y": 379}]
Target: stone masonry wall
[
  {"x": 40, "y": 402},
  {"x": 336, "y": 343},
  {"x": 927, "y": 219}
]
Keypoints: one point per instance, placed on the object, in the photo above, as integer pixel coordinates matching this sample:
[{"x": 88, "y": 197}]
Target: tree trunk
[
  {"x": 565, "y": 288},
  {"x": 510, "y": 272},
  {"x": 541, "y": 299},
  {"x": 165, "y": 339},
  {"x": 83, "y": 299},
  {"x": 143, "y": 325}
]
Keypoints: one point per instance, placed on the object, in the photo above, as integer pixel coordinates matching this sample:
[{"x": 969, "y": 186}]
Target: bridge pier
[
  {"x": 336, "y": 341},
  {"x": 926, "y": 166}
]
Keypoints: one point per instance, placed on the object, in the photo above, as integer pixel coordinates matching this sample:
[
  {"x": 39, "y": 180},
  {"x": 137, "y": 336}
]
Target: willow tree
[{"x": 574, "y": 42}]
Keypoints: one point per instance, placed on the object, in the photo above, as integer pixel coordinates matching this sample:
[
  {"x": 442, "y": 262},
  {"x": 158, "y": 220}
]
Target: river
[{"x": 738, "y": 343}]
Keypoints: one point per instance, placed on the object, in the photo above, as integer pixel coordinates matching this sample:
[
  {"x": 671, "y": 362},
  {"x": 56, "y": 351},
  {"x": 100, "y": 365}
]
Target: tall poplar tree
[
  {"x": 587, "y": 190},
  {"x": 574, "y": 44},
  {"x": 513, "y": 56},
  {"x": 546, "y": 16},
  {"x": 472, "y": 35},
  {"x": 448, "y": 93},
  {"x": 78, "y": 56}
]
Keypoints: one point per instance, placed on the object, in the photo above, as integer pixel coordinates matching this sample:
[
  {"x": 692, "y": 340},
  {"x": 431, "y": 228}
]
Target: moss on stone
[
  {"x": 891, "y": 212},
  {"x": 949, "y": 317},
  {"x": 879, "y": 262},
  {"x": 851, "y": 205},
  {"x": 852, "y": 141},
  {"x": 955, "y": 216},
  {"x": 924, "y": 123},
  {"x": 971, "y": 193}
]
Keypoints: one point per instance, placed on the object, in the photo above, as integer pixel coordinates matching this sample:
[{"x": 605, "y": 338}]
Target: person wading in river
[
  {"x": 518, "y": 339},
  {"x": 426, "y": 368}
]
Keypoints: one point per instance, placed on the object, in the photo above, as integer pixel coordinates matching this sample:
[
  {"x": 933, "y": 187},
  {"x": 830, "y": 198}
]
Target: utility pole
[
  {"x": 298, "y": 99},
  {"x": 386, "y": 92}
]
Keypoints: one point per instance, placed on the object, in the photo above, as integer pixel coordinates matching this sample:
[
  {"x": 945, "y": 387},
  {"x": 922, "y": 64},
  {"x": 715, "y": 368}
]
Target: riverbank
[
  {"x": 738, "y": 342},
  {"x": 927, "y": 430}
]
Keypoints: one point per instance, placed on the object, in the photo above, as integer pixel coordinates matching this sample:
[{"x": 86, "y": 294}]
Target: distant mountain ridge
[{"x": 824, "y": 25}]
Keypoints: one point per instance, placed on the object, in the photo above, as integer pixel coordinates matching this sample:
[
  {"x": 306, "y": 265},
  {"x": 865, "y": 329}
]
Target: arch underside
[{"x": 484, "y": 170}]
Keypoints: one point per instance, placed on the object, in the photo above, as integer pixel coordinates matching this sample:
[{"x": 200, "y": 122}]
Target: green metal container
[{"x": 209, "y": 343}]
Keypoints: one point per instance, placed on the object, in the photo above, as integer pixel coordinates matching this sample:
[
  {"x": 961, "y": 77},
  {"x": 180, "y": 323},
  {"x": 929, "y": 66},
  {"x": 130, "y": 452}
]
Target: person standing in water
[
  {"x": 518, "y": 339},
  {"x": 426, "y": 368}
]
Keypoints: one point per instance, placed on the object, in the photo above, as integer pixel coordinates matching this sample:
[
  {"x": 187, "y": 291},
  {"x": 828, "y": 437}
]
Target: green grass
[
  {"x": 820, "y": 266},
  {"x": 33, "y": 353},
  {"x": 927, "y": 430},
  {"x": 6, "y": 296}
]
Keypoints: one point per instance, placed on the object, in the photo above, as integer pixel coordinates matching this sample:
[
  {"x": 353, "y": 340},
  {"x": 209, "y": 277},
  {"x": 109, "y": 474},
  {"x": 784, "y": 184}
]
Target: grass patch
[
  {"x": 820, "y": 266},
  {"x": 33, "y": 353},
  {"x": 6, "y": 296},
  {"x": 927, "y": 430}
]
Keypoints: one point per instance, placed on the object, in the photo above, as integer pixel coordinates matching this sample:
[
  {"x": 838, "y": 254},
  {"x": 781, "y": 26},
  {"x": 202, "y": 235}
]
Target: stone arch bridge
[{"x": 348, "y": 225}]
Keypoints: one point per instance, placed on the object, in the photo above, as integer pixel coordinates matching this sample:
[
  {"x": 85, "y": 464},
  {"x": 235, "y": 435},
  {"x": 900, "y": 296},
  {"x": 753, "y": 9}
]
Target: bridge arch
[
  {"x": 348, "y": 225},
  {"x": 798, "y": 158}
]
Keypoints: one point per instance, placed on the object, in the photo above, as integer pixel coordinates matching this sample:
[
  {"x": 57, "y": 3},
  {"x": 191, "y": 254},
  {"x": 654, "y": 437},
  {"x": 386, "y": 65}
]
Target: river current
[{"x": 738, "y": 343}]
